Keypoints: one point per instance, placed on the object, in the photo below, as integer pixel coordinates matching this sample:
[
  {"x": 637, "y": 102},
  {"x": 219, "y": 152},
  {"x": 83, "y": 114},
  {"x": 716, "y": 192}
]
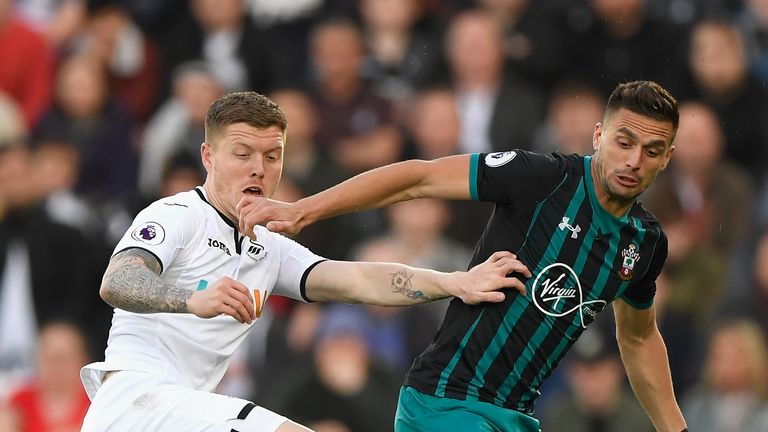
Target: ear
[
  {"x": 596, "y": 135},
  {"x": 206, "y": 154},
  {"x": 668, "y": 157}
]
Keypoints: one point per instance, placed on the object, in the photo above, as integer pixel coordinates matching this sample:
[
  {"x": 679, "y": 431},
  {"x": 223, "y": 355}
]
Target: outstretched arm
[
  {"x": 132, "y": 282},
  {"x": 446, "y": 177},
  {"x": 391, "y": 284},
  {"x": 645, "y": 359}
]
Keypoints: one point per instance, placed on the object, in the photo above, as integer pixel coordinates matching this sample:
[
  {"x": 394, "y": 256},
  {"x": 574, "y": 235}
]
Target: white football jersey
[{"x": 196, "y": 245}]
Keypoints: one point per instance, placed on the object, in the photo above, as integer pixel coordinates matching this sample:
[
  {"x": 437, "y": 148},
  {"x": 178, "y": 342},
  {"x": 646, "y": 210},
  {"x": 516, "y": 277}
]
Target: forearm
[
  {"x": 130, "y": 285},
  {"x": 386, "y": 284},
  {"x": 372, "y": 189},
  {"x": 442, "y": 178},
  {"x": 647, "y": 367}
]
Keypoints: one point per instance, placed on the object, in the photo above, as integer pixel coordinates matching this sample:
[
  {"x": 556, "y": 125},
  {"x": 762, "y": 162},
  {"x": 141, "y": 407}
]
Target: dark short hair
[
  {"x": 251, "y": 108},
  {"x": 646, "y": 98}
]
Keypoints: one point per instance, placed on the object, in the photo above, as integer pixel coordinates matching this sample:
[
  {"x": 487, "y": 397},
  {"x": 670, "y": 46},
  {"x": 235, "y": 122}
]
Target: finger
[
  {"x": 498, "y": 255},
  {"x": 244, "y": 201},
  {"x": 231, "y": 311},
  {"x": 247, "y": 301},
  {"x": 239, "y": 308},
  {"x": 517, "y": 284},
  {"x": 243, "y": 294},
  {"x": 514, "y": 266},
  {"x": 277, "y": 226},
  {"x": 488, "y": 297}
]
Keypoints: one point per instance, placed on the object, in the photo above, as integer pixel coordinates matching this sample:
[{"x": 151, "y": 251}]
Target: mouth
[
  {"x": 627, "y": 181},
  {"x": 253, "y": 191}
]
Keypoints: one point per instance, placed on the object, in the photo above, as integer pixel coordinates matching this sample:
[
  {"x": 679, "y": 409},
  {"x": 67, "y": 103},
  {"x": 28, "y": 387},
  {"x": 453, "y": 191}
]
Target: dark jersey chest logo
[{"x": 557, "y": 292}]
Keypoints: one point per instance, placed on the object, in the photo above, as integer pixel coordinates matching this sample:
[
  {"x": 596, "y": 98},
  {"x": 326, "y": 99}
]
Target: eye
[
  {"x": 625, "y": 144},
  {"x": 652, "y": 153}
]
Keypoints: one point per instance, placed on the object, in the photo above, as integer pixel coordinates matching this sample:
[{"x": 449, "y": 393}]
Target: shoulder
[
  {"x": 183, "y": 210},
  {"x": 646, "y": 218},
  {"x": 189, "y": 201}
]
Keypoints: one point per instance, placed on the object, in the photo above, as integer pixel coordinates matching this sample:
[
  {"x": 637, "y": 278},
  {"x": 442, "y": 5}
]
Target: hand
[
  {"x": 482, "y": 282},
  {"x": 278, "y": 216},
  {"x": 226, "y": 296}
]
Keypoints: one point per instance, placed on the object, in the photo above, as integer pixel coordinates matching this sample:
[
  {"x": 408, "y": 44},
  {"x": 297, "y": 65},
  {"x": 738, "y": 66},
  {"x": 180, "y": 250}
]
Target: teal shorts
[{"x": 419, "y": 412}]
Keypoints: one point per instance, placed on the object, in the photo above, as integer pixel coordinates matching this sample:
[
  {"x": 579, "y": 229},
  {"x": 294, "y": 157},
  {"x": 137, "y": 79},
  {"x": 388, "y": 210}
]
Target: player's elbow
[
  {"x": 106, "y": 292},
  {"x": 637, "y": 337}
]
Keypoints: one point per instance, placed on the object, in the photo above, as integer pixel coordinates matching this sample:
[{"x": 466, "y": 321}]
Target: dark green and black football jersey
[{"x": 581, "y": 258}]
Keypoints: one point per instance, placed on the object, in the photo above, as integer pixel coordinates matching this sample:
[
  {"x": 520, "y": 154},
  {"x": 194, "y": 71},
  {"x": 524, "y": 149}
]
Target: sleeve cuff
[{"x": 303, "y": 283}]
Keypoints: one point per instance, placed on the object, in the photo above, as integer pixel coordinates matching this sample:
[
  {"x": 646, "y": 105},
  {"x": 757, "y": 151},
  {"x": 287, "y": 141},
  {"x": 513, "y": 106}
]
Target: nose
[
  {"x": 634, "y": 157},
  {"x": 257, "y": 167}
]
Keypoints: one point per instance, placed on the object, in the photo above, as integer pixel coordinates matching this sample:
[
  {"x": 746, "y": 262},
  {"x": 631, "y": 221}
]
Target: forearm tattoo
[
  {"x": 401, "y": 283},
  {"x": 133, "y": 284}
]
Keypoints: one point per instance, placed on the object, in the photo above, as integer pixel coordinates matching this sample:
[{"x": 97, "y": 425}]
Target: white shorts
[{"x": 138, "y": 401}]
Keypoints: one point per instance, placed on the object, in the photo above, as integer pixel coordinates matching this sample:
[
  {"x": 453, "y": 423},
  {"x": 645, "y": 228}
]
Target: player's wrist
[{"x": 452, "y": 284}]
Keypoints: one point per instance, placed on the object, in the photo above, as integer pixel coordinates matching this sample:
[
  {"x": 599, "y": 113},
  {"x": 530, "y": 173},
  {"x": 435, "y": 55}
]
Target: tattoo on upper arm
[
  {"x": 401, "y": 283},
  {"x": 133, "y": 283}
]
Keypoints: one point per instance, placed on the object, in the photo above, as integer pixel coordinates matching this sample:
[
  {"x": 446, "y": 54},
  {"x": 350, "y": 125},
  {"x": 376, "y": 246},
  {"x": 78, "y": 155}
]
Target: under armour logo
[{"x": 565, "y": 225}]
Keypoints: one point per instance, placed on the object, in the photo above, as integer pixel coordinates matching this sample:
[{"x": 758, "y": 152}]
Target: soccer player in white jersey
[{"x": 187, "y": 286}]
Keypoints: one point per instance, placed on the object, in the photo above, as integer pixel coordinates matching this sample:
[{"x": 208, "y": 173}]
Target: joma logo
[{"x": 219, "y": 245}]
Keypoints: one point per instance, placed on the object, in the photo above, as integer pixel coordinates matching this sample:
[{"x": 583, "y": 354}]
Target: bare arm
[
  {"x": 645, "y": 359},
  {"x": 446, "y": 177},
  {"x": 392, "y": 284},
  {"x": 132, "y": 282}
]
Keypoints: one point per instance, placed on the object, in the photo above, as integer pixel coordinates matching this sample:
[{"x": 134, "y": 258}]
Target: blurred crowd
[{"x": 102, "y": 108}]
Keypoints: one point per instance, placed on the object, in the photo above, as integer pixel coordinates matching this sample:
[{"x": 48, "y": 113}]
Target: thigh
[{"x": 140, "y": 401}]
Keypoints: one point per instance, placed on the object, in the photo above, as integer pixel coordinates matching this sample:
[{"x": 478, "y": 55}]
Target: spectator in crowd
[
  {"x": 532, "y": 42},
  {"x": 345, "y": 391},
  {"x": 434, "y": 131},
  {"x": 496, "y": 112},
  {"x": 242, "y": 55},
  {"x": 402, "y": 56},
  {"x": 621, "y": 41},
  {"x": 58, "y": 21},
  {"x": 752, "y": 20},
  {"x": 130, "y": 59},
  {"x": 574, "y": 109},
  {"x": 732, "y": 393},
  {"x": 721, "y": 78},
  {"x": 27, "y": 70},
  {"x": 715, "y": 194},
  {"x": 178, "y": 126},
  {"x": 355, "y": 125},
  {"x": 86, "y": 114},
  {"x": 44, "y": 266},
  {"x": 54, "y": 401}
]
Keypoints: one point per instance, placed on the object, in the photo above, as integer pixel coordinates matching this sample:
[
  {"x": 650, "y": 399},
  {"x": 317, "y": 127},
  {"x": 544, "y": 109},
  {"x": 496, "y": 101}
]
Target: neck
[
  {"x": 615, "y": 207},
  {"x": 213, "y": 200}
]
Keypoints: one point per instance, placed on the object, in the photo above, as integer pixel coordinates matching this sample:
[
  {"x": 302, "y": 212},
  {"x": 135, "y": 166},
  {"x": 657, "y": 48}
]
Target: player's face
[
  {"x": 242, "y": 160},
  {"x": 630, "y": 150}
]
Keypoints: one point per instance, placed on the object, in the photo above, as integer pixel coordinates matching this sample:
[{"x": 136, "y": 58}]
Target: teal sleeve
[{"x": 473, "y": 176}]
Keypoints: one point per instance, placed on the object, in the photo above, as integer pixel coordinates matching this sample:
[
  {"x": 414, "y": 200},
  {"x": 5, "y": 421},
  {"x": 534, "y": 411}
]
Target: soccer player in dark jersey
[{"x": 575, "y": 223}]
